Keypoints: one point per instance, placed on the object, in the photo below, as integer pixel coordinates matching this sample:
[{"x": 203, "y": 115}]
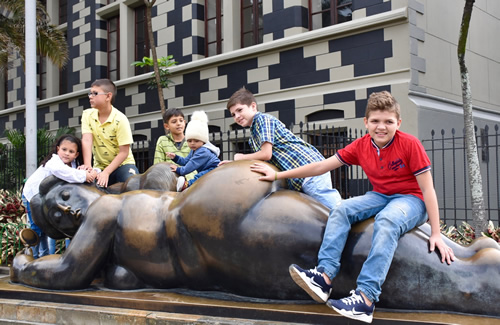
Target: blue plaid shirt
[{"x": 289, "y": 151}]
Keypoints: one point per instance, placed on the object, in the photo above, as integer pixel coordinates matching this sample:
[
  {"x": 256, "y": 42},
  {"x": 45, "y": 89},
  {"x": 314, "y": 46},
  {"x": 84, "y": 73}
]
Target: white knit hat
[{"x": 197, "y": 128}]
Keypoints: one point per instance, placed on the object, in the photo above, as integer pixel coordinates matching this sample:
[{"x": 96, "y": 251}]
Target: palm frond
[{"x": 50, "y": 41}]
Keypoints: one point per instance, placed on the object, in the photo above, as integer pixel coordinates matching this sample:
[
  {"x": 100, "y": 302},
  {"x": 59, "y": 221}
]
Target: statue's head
[{"x": 59, "y": 207}]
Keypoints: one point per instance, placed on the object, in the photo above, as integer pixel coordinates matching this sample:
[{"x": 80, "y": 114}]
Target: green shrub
[
  {"x": 12, "y": 220},
  {"x": 464, "y": 234}
]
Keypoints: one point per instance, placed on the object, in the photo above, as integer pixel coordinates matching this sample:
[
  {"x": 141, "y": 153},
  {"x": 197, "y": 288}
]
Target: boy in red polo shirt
[{"x": 403, "y": 198}]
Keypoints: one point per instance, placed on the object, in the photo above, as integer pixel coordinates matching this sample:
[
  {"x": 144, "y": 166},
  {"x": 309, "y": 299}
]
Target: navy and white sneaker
[
  {"x": 181, "y": 184},
  {"x": 353, "y": 307},
  {"x": 312, "y": 282}
]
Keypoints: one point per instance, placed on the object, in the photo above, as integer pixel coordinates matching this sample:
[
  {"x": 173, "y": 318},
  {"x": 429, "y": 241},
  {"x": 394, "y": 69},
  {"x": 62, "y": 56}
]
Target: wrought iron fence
[{"x": 446, "y": 151}]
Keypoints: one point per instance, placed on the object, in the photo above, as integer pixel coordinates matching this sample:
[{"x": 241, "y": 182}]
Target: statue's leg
[{"x": 119, "y": 278}]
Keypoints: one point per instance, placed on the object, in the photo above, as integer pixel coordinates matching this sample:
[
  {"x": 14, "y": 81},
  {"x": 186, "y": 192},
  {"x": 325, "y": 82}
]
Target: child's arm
[
  {"x": 87, "y": 150},
  {"x": 431, "y": 205},
  {"x": 265, "y": 153},
  {"x": 312, "y": 169},
  {"x": 62, "y": 171},
  {"x": 192, "y": 162},
  {"x": 103, "y": 177}
]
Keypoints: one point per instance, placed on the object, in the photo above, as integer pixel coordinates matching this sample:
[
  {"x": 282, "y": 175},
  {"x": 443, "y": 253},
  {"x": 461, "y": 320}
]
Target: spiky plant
[{"x": 50, "y": 40}]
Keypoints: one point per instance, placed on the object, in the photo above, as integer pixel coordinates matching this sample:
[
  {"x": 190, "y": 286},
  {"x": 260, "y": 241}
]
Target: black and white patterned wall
[{"x": 296, "y": 67}]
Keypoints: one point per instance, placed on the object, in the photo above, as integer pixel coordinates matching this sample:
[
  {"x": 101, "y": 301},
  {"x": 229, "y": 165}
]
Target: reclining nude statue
[{"x": 232, "y": 233}]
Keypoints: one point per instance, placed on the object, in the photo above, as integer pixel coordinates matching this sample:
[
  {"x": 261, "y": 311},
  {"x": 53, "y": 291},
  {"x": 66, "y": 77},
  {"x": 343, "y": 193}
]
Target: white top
[{"x": 55, "y": 166}]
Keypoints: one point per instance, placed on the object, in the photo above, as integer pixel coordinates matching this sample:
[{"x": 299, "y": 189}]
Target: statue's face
[{"x": 60, "y": 210}]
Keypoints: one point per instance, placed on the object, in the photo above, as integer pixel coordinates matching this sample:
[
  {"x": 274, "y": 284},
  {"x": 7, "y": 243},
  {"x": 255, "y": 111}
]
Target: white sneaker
[{"x": 180, "y": 183}]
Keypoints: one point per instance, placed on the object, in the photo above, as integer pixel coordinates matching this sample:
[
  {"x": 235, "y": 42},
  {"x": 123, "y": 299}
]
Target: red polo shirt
[{"x": 391, "y": 169}]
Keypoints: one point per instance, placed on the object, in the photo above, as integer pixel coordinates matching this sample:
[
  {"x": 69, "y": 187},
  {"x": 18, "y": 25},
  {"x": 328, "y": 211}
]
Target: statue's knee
[{"x": 119, "y": 278}]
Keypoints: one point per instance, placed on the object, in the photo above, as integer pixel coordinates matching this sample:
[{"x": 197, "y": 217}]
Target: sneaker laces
[
  {"x": 316, "y": 272},
  {"x": 353, "y": 299}
]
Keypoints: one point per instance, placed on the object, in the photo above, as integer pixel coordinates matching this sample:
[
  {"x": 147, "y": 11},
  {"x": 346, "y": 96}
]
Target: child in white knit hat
[{"x": 203, "y": 156}]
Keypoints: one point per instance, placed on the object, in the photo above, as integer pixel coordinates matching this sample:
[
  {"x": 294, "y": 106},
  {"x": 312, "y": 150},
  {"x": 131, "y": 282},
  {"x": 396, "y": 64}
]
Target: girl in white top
[{"x": 61, "y": 162}]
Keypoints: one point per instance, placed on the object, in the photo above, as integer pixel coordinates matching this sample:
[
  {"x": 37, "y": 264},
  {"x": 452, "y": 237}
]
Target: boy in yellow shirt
[{"x": 106, "y": 135}]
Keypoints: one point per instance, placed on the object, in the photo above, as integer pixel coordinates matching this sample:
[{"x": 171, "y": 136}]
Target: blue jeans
[
  {"x": 320, "y": 188},
  {"x": 46, "y": 245},
  {"x": 122, "y": 173},
  {"x": 394, "y": 216},
  {"x": 198, "y": 175}
]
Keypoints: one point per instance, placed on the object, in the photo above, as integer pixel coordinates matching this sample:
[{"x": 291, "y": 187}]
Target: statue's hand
[{"x": 18, "y": 264}]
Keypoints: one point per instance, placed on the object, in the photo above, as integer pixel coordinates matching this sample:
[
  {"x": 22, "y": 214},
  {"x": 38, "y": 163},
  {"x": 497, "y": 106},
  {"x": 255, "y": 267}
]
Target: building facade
[{"x": 314, "y": 61}]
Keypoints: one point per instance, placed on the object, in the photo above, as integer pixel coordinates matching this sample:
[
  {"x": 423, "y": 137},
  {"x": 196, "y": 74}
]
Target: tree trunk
[
  {"x": 479, "y": 219},
  {"x": 149, "y": 5}
]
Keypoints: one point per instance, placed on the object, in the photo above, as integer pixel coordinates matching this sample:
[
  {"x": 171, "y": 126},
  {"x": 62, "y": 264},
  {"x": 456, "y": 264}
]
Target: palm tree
[
  {"x": 479, "y": 217},
  {"x": 50, "y": 40}
]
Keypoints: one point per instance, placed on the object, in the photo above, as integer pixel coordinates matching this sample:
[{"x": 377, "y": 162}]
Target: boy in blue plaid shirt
[{"x": 271, "y": 141}]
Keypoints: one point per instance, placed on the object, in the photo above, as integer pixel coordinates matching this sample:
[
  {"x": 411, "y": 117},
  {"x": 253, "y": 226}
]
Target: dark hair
[
  {"x": 65, "y": 137},
  {"x": 241, "y": 96},
  {"x": 382, "y": 101},
  {"x": 171, "y": 112},
  {"x": 106, "y": 85}
]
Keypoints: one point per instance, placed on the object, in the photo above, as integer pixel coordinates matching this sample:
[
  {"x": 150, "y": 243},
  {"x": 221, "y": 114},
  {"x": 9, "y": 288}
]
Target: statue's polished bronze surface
[{"x": 231, "y": 232}]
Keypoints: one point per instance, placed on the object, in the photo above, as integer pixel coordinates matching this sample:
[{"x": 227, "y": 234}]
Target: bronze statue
[{"x": 231, "y": 232}]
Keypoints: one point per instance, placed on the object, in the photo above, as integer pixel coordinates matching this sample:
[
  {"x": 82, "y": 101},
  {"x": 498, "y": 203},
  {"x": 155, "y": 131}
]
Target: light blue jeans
[
  {"x": 46, "y": 244},
  {"x": 394, "y": 216},
  {"x": 320, "y": 188}
]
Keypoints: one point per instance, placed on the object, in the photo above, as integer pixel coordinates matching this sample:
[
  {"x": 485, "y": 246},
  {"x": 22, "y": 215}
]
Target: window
[
  {"x": 63, "y": 11},
  {"x": 42, "y": 75},
  {"x": 323, "y": 13},
  {"x": 63, "y": 76},
  {"x": 251, "y": 22},
  {"x": 4, "y": 89},
  {"x": 328, "y": 140},
  {"x": 141, "y": 38},
  {"x": 213, "y": 27},
  {"x": 63, "y": 81},
  {"x": 114, "y": 48}
]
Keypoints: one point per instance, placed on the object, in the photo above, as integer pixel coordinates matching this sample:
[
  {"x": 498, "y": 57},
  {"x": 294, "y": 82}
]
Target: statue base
[{"x": 23, "y": 304}]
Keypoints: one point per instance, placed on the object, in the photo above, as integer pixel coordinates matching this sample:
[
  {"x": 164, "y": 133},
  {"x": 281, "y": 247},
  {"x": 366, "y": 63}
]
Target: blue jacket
[{"x": 204, "y": 158}]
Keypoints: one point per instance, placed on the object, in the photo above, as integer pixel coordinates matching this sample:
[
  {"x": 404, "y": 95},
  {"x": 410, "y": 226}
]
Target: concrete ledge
[
  {"x": 32, "y": 312},
  {"x": 25, "y": 305}
]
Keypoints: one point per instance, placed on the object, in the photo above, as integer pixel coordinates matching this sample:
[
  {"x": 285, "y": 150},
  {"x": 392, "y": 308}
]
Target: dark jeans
[{"x": 122, "y": 173}]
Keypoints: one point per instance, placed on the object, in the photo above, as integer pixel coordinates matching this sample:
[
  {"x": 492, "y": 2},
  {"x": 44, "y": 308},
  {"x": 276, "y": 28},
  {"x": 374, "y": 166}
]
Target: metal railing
[{"x": 446, "y": 151}]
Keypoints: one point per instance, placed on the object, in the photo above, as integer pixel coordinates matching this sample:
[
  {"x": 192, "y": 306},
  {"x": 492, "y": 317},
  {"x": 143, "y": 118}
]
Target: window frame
[
  {"x": 109, "y": 52},
  {"x": 146, "y": 46},
  {"x": 218, "y": 27},
  {"x": 256, "y": 27},
  {"x": 334, "y": 9},
  {"x": 42, "y": 77},
  {"x": 63, "y": 12}
]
